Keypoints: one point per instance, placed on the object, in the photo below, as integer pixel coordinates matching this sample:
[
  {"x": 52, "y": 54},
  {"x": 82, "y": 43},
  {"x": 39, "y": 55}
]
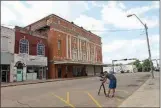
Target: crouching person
[{"x": 112, "y": 83}]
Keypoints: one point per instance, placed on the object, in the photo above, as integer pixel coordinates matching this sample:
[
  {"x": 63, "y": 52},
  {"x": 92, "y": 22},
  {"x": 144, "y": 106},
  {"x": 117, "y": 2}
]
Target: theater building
[
  {"x": 30, "y": 55},
  {"x": 73, "y": 51}
]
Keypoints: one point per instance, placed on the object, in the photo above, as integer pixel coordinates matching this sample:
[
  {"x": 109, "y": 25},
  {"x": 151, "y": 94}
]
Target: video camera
[{"x": 102, "y": 76}]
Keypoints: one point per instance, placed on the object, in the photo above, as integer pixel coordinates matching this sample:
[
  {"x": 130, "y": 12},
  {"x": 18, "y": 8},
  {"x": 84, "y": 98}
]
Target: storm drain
[{"x": 133, "y": 85}]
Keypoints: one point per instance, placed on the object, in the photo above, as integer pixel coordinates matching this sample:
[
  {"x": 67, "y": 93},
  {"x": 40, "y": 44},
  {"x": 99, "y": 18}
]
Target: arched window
[
  {"x": 24, "y": 46},
  {"x": 40, "y": 49}
]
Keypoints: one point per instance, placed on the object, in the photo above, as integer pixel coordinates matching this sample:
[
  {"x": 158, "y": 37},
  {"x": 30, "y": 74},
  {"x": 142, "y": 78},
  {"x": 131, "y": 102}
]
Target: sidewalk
[
  {"x": 40, "y": 81},
  {"x": 146, "y": 96}
]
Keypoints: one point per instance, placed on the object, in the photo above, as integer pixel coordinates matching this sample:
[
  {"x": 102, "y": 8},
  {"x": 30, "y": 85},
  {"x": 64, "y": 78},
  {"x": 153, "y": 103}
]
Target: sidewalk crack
[{"x": 23, "y": 104}]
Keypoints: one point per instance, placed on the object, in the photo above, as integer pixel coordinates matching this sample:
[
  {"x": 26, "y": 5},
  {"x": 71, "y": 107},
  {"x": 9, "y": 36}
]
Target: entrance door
[
  {"x": 44, "y": 73},
  {"x": 59, "y": 72},
  {"x": 4, "y": 76},
  {"x": 4, "y": 73},
  {"x": 40, "y": 72},
  {"x": 19, "y": 74}
]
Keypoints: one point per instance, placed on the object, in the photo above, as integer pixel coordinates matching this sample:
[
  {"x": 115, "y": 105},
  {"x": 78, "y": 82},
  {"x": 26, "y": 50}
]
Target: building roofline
[
  {"x": 64, "y": 20},
  {"x": 8, "y": 27},
  {"x": 26, "y": 31}
]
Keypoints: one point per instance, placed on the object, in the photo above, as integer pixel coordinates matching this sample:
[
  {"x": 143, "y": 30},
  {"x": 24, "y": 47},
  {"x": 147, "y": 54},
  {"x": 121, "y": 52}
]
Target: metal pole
[
  {"x": 113, "y": 65},
  {"x": 151, "y": 66}
]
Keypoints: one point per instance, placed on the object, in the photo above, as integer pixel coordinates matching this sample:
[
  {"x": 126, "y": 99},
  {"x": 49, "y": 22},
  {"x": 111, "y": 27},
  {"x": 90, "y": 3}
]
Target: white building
[
  {"x": 118, "y": 69},
  {"x": 7, "y": 54}
]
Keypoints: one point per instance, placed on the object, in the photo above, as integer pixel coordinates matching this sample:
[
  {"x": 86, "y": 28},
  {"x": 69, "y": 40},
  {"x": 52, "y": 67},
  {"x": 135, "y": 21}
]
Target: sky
[{"x": 122, "y": 37}]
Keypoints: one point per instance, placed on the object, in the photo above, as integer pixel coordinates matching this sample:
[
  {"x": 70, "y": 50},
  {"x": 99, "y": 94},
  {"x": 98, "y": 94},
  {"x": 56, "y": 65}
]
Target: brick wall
[{"x": 32, "y": 43}]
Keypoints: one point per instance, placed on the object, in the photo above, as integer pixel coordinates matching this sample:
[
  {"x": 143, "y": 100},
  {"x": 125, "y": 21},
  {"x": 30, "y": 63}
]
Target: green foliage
[
  {"x": 146, "y": 65},
  {"x": 138, "y": 65}
]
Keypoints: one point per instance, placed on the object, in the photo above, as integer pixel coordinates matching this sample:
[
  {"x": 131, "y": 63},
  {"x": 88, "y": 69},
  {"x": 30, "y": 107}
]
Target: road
[{"x": 71, "y": 93}]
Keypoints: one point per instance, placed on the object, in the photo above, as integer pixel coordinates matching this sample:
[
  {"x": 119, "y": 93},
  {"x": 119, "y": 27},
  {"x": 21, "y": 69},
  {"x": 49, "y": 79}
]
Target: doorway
[
  {"x": 20, "y": 72},
  {"x": 59, "y": 72},
  {"x": 5, "y": 73}
]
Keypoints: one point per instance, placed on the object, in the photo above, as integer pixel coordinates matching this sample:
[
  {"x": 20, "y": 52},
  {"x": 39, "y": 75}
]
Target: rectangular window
[{"x": 59, "y": 44}]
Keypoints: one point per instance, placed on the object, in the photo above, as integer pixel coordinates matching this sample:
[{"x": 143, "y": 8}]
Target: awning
[{"x": 78, "y": 62}]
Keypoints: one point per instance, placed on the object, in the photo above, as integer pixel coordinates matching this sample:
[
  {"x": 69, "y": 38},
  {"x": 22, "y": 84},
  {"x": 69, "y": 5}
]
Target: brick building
[
  {"x": 30, "y": 55},
  {"x": 72, "y": 50}
]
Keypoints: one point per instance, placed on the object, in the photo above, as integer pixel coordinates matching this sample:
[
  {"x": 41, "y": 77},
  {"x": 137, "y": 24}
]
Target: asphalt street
[{"x": 71, "y": 93}]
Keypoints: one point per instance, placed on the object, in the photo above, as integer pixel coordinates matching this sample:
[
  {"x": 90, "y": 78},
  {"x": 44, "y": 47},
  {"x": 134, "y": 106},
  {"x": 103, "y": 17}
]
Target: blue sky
[{"x": 99, "y": 16}]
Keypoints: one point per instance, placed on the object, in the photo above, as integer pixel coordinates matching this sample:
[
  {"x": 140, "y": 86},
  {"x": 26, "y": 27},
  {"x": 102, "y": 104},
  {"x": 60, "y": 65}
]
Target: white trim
[
  {"x": 37, "y": 49},
  {"x": 67, "y": 46},
  {"x": 82, "y": 38},
  {"x": 70, "y": 47},
  {"x": 78, "y": 47},
  {"x": 28, "y": 46}
]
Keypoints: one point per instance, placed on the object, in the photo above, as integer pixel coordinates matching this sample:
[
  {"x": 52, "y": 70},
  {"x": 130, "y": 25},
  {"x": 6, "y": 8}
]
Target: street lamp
[{"x": 146, "y": 30}]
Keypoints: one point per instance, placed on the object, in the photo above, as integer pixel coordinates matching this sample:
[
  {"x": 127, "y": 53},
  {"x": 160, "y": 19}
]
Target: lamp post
[{"x": 146, "y": 30}]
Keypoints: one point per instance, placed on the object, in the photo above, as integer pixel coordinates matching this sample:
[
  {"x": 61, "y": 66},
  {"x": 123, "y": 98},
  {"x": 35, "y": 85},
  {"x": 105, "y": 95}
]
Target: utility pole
[
  {"x": 146, "y": 30},
  {"x": 147, "y": 38}
]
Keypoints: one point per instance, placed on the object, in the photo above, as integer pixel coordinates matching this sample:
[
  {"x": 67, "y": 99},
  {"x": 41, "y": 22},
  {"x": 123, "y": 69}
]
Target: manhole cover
[{"x": 132, "y": 85}]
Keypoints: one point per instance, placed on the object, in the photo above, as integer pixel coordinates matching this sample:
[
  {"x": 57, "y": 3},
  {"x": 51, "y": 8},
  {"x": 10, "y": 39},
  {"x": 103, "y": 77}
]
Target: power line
[
  {"x": 98, "y": 30},
  {"x": 116, "y": 30}
]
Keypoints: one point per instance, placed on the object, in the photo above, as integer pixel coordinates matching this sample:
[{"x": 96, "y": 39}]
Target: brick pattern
[
  {"x": 61, "y": 29},
  {"x": 32, "y": 42}
]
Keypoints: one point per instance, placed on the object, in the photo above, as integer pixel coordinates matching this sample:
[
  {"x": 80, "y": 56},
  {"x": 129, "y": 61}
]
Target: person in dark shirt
[{"x": 112, "y": 84}]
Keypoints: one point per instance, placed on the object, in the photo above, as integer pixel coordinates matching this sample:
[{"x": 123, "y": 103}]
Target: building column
[
  {"x": 70, "y": 48},
  {"x": 67, "y": 47},
  {"x": 94, "y": 70},
  {"x": 52, "y": 71},
  {"x": 94, "y": 54},
  {"x": 78, "y": 48}
]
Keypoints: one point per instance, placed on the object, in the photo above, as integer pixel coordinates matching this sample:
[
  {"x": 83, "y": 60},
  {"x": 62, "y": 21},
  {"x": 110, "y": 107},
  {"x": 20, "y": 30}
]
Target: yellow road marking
[
  {"x": 64, "y": 100},
  {"x": 68, "y": 97},
  {"x": 94, "y": 100}
]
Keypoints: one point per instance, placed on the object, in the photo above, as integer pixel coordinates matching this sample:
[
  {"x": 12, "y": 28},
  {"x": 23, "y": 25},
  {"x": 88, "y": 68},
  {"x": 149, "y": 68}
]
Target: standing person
[{"x": 112, "y": 84}]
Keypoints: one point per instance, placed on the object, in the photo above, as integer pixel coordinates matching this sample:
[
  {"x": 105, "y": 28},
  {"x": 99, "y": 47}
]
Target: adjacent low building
[
  {"x": 118, "y": 69},
  {"x": 7, "y": 54},
  {"x": 30, "y": 58}
]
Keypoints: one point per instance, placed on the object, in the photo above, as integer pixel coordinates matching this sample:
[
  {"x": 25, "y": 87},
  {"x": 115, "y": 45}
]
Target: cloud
[
  {"x": 36, "y": 10},
  {"x": 115, "y": 14},
  {"x": 90, "y": 23},
  {"x": 135, "y": 48},
  {"x": 6, "y": 12},
  {"x": 96, "y": 4}
]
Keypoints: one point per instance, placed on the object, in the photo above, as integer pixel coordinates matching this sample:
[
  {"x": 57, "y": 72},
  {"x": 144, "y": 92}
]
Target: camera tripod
[{"x": 103, "y": 89}]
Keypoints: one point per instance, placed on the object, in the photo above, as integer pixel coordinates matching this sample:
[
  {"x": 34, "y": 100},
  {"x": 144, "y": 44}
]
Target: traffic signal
[{"x": 125, "y": 59}]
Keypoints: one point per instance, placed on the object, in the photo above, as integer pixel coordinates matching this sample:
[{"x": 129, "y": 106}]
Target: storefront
[
  {"x": 29, "y": 67},
  {"x": 5, "y": 73},
  {"x": 6, "y": 67},
  {"x": 36, "y": 72},
  {"x": 62, "y": 69}
]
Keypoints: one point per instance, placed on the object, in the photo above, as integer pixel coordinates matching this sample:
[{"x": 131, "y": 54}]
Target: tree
[
  {"x": 138, "y": 65},
  {"x": 146, "y": 65}
]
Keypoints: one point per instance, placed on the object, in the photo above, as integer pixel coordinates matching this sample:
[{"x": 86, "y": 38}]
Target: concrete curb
[
  {"x": 122, "y": 104},
  {"x": 41, "y": 81}
]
